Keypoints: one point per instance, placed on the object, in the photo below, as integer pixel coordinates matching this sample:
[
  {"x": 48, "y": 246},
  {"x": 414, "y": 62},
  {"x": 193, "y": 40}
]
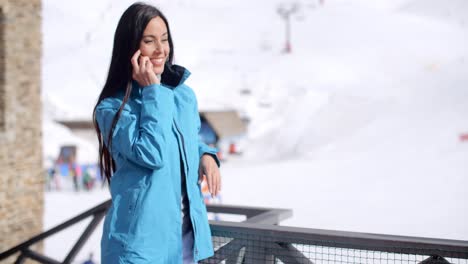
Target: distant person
[
  {"x": 147, "y": 124},
  {"x": 51, "y": 175},
  {"x": 88, "y": 179},
  {"x": 74, "y": 175},
  {"x": 56, "y": 177}
]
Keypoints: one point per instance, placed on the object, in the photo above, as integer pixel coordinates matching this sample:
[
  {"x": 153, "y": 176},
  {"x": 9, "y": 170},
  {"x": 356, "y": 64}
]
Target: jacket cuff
[{"x": 204, "y": 149}]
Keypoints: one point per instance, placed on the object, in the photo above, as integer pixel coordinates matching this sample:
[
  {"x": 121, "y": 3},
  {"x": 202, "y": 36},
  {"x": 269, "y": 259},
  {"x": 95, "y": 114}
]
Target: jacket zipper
[
  {"x": 183, "y": 146},
  {"x": 195, "y": 250}
]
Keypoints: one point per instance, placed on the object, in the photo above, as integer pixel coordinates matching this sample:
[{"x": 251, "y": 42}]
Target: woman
[{"x": 147, "y": 123}]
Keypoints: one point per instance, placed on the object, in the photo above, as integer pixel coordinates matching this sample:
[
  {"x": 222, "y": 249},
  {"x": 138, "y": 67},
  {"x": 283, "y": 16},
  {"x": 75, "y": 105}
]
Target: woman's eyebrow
[{"x": 153, "y": 36}]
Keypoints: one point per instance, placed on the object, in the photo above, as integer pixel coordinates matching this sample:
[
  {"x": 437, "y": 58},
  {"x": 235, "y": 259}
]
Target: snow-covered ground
[{"x": 358, "y": 129}]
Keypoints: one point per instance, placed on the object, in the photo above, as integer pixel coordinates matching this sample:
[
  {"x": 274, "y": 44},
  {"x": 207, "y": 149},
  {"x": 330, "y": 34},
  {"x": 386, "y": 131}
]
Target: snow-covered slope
[
  {"x": 359, "y": 68},
  {"x": 449, "y": 11}
]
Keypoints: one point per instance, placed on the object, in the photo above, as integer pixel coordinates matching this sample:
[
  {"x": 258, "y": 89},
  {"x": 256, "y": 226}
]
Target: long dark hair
[{"x": 127, "y": 40}]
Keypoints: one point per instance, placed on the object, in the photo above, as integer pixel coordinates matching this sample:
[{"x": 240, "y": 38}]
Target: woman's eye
[
  {"x": 147, "y": 41},
  {"x": 165, "y": 40}
]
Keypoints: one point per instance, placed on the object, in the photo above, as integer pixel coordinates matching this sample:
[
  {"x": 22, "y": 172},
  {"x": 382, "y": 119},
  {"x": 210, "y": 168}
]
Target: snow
[
  {"x": 453, "y": 13},
  {"x": 62, "y": 206},
  {"x": 357, "y": 130}
]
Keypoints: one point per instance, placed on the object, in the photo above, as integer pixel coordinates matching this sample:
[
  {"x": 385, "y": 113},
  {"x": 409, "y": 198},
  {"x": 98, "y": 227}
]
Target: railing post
[
  {"x": 434, "y": 259},
  {"x": 241, "y": 256},
  {"x": 84, "y": 237},
  {"x": 97, "y": 212},
  {"x": 237, "y": 258},
  {"x": 258, "y": 253},
  {"x": 21, "y": 258}
]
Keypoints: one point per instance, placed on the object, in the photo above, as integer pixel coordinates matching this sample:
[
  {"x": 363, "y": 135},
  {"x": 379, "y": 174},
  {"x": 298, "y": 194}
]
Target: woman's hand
[
  {"x": 210, "y": 170},
  {"x": 143, "y": 70}
]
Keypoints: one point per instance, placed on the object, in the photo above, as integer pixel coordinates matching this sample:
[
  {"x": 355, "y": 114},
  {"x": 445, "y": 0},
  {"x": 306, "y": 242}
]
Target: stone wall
[{"x": 21, "y": 175}]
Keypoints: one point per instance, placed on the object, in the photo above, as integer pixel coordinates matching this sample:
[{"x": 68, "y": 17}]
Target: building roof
[
  {"x": 77, "y": 124},
  {"x": 225, "y": 123}
]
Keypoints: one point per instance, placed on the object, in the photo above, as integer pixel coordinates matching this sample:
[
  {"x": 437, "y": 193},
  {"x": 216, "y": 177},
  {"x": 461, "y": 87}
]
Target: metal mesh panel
[{"x": 237, "y": 247}]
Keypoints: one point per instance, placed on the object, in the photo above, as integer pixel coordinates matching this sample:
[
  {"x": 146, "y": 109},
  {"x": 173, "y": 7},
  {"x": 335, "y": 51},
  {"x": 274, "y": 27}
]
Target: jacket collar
[{"x": 172, "y": 76}]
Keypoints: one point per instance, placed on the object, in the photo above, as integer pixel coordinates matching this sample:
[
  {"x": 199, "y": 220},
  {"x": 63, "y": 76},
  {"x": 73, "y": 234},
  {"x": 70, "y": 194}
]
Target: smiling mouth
[{"x": 157, "y": 62}]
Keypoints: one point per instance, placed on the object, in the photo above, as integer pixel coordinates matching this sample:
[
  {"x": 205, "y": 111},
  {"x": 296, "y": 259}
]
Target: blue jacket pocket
[{"x": 125, "y": 213}]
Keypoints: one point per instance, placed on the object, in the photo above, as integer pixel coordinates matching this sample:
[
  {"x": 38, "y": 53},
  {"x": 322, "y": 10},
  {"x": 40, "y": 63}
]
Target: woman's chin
[{"x": 158, "y": 71}]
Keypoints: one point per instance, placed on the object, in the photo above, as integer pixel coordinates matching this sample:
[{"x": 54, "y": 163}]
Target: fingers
[
  {"x": 210, "y": 183},
  {"x": 219, "y": 180},
  {"x": 150, "y": 75},
  {"x": 200, "y": 175},
  {"x": 143, "y": 71},
  {"x": 213, "y": 185},
  {"x": 143, "y": 64},
  {"x": 214, "y": 182},
  {"x": 134, "y": 60},
  {"x": 149, "y": 66},
  {"x": 209, "y": 168}
]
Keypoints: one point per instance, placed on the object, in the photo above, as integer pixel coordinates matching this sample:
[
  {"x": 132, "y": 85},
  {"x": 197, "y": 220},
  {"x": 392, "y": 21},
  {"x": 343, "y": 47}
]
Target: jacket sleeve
[
  {"x": 202, "y": 147},
  {"x": 141, "y": 141}
]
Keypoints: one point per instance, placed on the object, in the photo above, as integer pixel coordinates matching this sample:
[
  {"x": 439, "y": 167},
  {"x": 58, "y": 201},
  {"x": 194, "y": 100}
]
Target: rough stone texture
[{"x": 21, "y": 175}]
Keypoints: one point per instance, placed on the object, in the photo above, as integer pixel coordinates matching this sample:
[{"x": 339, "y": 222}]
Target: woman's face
[{"x": 155, "y": 44}]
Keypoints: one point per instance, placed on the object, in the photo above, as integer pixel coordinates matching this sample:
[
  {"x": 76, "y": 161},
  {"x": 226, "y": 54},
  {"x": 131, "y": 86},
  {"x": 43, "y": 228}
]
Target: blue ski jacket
[{"x": 154, "y": 142}]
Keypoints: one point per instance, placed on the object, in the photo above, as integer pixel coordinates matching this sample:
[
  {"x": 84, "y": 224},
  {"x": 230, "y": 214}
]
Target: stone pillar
[{"x": 21, "y": 174}]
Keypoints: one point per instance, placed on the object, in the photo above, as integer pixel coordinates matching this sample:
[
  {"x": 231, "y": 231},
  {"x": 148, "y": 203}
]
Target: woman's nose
[{"x": 158, "y": 48}]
